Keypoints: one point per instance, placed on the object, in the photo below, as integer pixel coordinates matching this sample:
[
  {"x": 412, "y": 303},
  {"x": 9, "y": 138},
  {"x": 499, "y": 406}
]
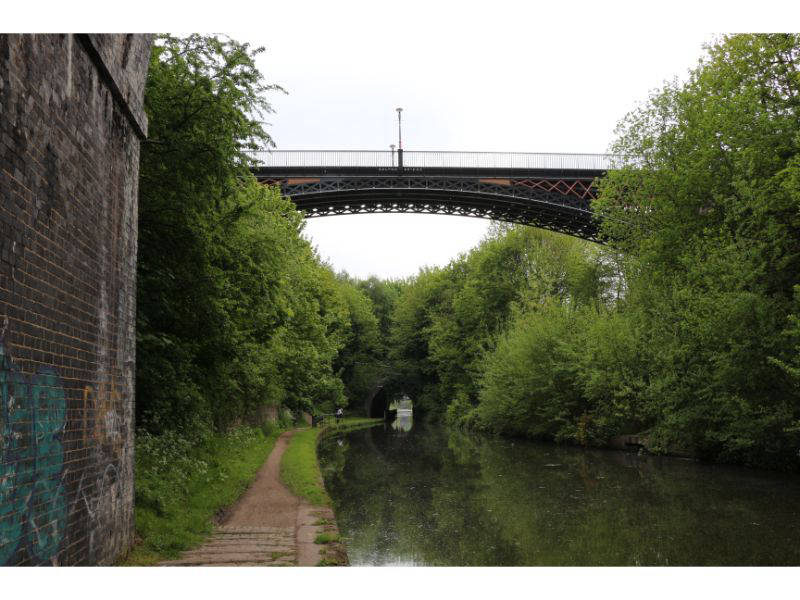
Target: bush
[
  {"x": 530, "y": 386},
  {"x": 182, "y": 481}
]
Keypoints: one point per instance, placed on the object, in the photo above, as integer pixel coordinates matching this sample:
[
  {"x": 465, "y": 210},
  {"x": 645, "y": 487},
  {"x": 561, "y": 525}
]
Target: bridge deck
[
  {"x": 552, "y": 191},
  {"x": 405, "y": 171},
  {"x": 437, "y": 160}
]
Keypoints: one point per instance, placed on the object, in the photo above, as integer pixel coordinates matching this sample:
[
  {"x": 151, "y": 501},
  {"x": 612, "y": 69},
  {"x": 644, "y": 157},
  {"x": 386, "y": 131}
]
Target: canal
[{"x": 413, "y": 494}]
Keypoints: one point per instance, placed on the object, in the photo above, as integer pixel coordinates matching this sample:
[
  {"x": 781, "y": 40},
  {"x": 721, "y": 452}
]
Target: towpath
[{"x": 268, "y": 526}]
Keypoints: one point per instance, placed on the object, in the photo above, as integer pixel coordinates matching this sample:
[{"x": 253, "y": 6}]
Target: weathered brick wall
[{"x": 71, "y": 120}]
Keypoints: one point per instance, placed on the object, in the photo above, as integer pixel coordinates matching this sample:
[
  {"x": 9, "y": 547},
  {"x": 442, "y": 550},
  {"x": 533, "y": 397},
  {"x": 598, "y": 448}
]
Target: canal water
[{"x": 413, "y": 494}]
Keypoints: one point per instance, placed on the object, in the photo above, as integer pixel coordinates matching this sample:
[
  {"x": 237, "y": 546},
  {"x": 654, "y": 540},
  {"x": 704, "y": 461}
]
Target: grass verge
[
  {"x": 326, "y": 538},
  {"x": 300, "y": 467},
  {"x": 182, "y": 484},
  {"x": 300, "y": 470}
]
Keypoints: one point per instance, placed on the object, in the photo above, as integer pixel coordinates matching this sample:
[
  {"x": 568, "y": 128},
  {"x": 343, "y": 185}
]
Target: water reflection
[
  {"x": 427, "y": 496},
  {"x": 404, "y": 420}
]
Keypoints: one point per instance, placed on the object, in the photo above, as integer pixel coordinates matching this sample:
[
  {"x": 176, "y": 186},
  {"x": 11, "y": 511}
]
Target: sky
[
  {"x": 499, "y": 75},
  {"x": 496, "y": 76}
]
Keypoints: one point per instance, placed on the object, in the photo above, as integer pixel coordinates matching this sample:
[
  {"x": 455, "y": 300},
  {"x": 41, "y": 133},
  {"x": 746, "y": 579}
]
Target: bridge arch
[
  {"x": 378, "y": 403},
  {"x": 543, "y": 190}
]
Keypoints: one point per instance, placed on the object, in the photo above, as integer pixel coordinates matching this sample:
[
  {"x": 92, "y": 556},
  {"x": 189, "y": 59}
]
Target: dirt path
[{"x": 268, "y": 525}]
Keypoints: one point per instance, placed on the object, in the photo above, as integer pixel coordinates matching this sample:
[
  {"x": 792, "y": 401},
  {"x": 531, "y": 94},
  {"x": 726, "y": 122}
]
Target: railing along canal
[
  {"x": 323, "y": 419},
  {"x": 435, "y": 159}
]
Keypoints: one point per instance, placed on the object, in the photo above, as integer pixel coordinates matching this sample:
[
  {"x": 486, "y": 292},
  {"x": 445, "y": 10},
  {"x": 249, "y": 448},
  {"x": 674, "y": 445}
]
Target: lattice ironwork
[{"x": 559, "y": 204}]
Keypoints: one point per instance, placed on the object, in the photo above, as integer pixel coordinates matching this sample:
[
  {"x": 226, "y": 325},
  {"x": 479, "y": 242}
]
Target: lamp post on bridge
[
  {"x": 392, "y": 147},
  {"x": 399, "y": 138}
]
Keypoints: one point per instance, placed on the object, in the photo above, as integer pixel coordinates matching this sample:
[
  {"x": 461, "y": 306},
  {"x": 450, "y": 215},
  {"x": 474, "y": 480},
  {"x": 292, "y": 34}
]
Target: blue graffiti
[{"x": 33, "y": 505}]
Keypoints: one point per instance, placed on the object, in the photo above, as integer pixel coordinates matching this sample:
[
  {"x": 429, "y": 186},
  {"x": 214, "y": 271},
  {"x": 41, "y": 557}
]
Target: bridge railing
[{"x": 435, "y": 159}]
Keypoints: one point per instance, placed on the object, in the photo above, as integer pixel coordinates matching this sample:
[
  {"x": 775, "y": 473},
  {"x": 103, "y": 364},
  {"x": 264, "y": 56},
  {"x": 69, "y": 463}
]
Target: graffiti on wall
[
  {"x": 103, "y": 403},
  {"x": 100, "y": 495},
  {"x": 33, "y": 507}
]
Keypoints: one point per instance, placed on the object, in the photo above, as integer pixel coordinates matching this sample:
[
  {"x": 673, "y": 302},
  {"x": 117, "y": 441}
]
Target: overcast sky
[
  {"x": 494, "y": 76},
  {"x": 501, "y": 75}
]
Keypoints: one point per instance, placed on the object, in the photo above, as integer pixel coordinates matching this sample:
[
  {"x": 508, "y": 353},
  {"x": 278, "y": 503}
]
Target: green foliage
[
  {"x": 383, "y": 295},
  {"x": 709, "y": 219},
  {"x": 182, "y": 482},
  {"x": 235, "y": 310},
  {"x": 530, "y": 385},
  {"x": 792, "y": 332},
  {"x": 447, "y": 321},
  {"x": 359, "y": 362},
  {"x": 410, "y": 335},
  {"x": 685, "y": 328},
  {"x": 611, "y": 374},
  {"x": 326, "y": 538}
]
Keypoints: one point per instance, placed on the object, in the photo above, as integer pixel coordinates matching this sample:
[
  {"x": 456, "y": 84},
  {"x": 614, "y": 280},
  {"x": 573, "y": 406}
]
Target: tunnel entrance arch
[{"x": 377, "y": 405}]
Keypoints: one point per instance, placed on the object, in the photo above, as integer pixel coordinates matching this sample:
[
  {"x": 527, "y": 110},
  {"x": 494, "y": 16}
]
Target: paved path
[{"x": 268, "y": 526}]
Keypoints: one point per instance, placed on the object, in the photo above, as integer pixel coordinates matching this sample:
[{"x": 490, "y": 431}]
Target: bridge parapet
[{"x": 436, "y": 159}]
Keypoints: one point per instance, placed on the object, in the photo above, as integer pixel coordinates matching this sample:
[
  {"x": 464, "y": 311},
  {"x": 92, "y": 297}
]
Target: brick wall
[{"x": 71, "y": 119}]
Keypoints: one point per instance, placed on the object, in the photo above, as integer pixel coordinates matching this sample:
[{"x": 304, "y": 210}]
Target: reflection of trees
[
  {"x": 332, "y": 466},
  {"x": 409, "y": 506},
  {"x": 591, "y": 511},
  {"x": 447, "y": 498},
  {"x": 403, "y": 422}
]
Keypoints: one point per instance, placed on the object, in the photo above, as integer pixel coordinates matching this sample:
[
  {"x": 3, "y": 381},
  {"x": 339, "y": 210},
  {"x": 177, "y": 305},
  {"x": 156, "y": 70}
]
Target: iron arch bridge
[{"x": 551, "y": 191}]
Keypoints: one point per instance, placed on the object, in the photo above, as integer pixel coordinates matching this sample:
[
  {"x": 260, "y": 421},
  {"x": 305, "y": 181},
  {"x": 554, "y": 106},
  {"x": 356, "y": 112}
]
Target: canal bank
[
  {"x": 300, "y": 473},
  {"x": 284, "y": 517}
]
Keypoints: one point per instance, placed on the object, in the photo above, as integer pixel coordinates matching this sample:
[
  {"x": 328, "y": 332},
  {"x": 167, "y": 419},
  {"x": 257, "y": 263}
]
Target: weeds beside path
[
  {"x": 181, "y": 486},
  {"x": 261, "y": 528},
  {"x": 263, "y": 492}
]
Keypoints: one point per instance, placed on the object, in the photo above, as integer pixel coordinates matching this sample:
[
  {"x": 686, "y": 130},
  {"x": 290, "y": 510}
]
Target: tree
[
  {"x": 447, "y": 321},
  {"x": 360, "y": 361},
  {"x": 708, "y": 218},
  {"x": 235, "y": 311}
]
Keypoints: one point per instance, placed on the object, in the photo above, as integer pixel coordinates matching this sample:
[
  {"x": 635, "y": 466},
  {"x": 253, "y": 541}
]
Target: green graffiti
[
  {"x": 47, "y": 517},
  {"x": 10, "y": 521},
  {"x": 32, "y": 500},
  {"x": 12, "y": 388}
]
